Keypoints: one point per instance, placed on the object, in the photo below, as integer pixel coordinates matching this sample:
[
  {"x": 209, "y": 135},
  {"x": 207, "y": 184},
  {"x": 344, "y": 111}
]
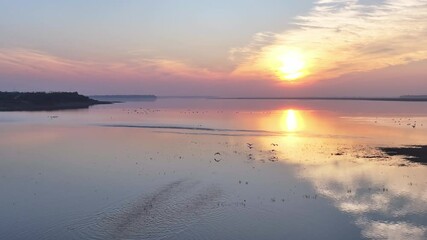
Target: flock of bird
[
  {"x": 405, "y": 122},
  {"x": 217, "y": 156}
]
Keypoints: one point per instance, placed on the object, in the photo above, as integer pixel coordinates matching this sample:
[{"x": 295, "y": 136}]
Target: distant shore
[
  {"x": 125, "y": 98},
  {"x": 404, "y": 98},
  {"x": 383, "y": 99},
  {"x": 43, "y": 101}
]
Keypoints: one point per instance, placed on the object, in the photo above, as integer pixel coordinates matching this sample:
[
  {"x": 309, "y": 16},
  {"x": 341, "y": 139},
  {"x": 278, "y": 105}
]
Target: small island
[{"x": 45, "y": 101}]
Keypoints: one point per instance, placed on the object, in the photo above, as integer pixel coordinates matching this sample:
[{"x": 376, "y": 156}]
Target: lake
[{"x": 214, "y": 169}]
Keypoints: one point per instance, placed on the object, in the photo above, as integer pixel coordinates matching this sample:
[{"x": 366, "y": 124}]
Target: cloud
[
  {"x": 29, "y": 62},
  {"x": 339, "y": 37},
  {"x": 337, "y": 40}
]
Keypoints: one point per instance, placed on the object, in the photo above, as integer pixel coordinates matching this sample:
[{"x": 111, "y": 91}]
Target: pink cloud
[{"x": 35, "y": 63}]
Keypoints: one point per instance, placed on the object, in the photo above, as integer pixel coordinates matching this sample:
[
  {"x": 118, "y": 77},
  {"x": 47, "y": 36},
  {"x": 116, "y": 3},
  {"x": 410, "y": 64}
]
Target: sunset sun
[{"x": 292, "y": 66}]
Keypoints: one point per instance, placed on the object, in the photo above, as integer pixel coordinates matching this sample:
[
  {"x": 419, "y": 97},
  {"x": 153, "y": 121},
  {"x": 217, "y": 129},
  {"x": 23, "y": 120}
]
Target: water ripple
[{"x": 170, "y": 210}]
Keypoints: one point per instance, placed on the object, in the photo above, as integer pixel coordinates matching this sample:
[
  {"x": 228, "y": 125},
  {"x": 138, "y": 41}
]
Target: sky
[{"x": 245, "y": 48}]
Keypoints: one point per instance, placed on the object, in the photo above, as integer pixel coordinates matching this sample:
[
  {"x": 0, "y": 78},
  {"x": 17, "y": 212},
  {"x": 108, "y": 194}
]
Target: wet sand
[{"x": 416, "y": 154}]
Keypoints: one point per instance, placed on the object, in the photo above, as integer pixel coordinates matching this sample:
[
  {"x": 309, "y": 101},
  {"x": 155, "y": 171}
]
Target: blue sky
[{"x": 82, "y": 28}]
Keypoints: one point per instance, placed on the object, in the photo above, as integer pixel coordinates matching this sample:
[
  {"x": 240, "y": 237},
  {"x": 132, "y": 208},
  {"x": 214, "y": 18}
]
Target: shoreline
[{"x": 35, "y": 108}]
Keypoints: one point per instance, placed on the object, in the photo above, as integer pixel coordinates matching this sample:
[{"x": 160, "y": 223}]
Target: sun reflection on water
[{"x": 291, "y": 121}]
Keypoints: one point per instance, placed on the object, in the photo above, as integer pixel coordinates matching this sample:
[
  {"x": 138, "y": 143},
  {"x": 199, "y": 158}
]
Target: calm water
[{"x": 214, "y": 169}]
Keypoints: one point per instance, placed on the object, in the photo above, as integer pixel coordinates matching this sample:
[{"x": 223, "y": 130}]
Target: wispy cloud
[
  {"x": 36, "y": 63},
  {"x": 339, "y": 37}
]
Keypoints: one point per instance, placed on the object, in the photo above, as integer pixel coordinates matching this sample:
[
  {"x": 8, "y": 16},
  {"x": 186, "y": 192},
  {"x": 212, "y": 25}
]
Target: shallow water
[{"x": 214, "y": 169}]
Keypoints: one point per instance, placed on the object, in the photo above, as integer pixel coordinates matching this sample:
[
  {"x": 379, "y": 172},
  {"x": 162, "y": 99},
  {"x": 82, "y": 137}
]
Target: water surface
[{"x": 214, "y": 169}]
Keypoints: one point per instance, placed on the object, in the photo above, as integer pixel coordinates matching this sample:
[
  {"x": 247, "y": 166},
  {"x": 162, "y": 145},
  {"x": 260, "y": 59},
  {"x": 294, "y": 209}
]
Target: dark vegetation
[{"x": 43, "y": 101}]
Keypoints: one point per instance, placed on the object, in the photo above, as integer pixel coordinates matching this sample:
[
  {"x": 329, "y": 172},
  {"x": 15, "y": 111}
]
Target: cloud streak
[
  {"x": 339, "y": 37},
  {"x": 36, "y": 63}
]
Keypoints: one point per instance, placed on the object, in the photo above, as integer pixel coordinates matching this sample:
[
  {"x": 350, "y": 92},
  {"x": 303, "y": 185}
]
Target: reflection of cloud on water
[
  {"x": 386, "y": 196},
  {"x": 388, "y": 202},
  {"x": 391, "y": 230}
]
